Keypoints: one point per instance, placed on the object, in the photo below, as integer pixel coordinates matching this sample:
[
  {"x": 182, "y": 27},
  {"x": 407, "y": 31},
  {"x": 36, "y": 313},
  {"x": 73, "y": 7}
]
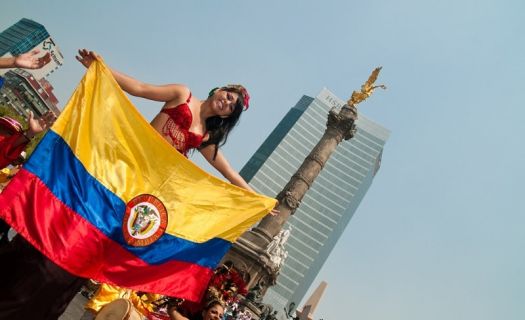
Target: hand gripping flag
[{"x": 106, "y": 197}]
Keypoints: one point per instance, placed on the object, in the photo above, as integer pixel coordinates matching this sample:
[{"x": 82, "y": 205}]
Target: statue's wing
[{"x": 368, "y": 85}]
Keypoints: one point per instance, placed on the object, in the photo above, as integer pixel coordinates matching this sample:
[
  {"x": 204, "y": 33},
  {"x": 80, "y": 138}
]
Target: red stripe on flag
[{"x": 80, "y": 248}]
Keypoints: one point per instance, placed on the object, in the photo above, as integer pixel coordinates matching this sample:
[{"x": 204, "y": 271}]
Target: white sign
[{"x": 330, "y": 99}]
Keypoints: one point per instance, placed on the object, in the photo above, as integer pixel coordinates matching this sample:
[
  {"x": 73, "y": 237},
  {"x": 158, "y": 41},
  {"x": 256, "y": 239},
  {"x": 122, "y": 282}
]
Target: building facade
[
  {"x": 23, "y": 93},
  {"x": 333, "y": 198}
]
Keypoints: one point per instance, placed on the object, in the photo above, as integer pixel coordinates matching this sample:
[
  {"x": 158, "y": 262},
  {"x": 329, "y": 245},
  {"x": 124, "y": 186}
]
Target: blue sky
[{"x": 440, "y": 233}]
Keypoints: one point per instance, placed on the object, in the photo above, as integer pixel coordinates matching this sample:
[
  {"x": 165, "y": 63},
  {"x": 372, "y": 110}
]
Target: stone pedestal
[{"x": 249, "y": 256}]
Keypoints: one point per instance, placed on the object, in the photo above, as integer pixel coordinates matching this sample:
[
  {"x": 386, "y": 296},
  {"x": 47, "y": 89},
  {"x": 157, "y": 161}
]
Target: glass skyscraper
[
  {"x": 22, "y": 37},
  {"x": 333, "y": 198}
]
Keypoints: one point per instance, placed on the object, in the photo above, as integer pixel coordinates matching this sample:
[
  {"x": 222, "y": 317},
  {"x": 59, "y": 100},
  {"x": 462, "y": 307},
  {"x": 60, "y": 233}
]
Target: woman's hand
[
  {"x": 134, "y": 87},
  {"x": 35, "y": 126},
  {"x": 275, "y": 211},
  {"x": 86, "y": 57}
]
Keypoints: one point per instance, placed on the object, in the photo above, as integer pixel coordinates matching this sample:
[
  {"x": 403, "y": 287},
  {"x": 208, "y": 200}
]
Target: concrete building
[
  {"x": 331, "y": 201},
  {"x": 308, "y": 310},
  {"x": 23, "y": 93}
]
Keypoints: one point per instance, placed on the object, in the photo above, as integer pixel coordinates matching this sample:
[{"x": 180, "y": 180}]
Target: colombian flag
[{"x": 106, "y": 197}]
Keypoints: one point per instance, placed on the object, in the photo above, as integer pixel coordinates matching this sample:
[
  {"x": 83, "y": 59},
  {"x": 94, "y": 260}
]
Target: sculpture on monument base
[
  {"x": 276, "y": 249},
  {"x": 252, "y": 306},
  {"x": 255, "y": 295}
]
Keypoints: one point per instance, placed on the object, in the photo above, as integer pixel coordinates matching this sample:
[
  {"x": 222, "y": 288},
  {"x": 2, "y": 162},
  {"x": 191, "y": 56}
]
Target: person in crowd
[
  {"x": 14, "y": 140},
  {"x": 213, "y": 310}
]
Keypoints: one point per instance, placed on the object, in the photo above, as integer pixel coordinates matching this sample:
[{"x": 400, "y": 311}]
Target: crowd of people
[{"x": 32, "y": 285}]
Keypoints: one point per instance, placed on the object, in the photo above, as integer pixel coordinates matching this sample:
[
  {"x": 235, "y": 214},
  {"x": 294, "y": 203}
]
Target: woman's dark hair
[
  {"x": 219, "y": 128},
  {"x": 213, "y": 303},
  {"x": 208, "y": 306}
]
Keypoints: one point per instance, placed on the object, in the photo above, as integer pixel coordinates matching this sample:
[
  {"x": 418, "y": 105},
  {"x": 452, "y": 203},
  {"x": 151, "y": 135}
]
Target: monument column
[
  {"x": 340, "y": 126},
  {"x": 250, "y": 254}
]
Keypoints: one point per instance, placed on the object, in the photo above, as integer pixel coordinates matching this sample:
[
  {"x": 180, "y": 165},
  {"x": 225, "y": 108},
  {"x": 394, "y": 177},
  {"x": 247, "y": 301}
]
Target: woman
[
  {"x": 214, "y": 310},
  {"x": 187, "y": 122}
]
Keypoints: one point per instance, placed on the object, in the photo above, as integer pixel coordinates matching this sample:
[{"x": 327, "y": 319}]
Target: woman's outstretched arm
[
  {"x": 223, "y": 166},
  {"x": 164, "y": 93}
]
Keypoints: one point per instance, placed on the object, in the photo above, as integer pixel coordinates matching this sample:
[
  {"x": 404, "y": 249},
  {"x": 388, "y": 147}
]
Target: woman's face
[
  {"x": 214, "y": 313},
  {"x": 223, "y": 102}
]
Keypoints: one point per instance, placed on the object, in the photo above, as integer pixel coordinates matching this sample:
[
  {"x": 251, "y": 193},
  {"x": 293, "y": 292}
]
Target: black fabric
[
  {"x": 4, "y": 229},
  {"x": 31, "y": 285}
]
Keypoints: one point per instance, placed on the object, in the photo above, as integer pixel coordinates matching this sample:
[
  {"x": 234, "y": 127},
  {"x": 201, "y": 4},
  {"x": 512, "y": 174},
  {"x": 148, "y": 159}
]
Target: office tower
[
  {"x": 331, "y": 201},
  {"x": 22, "y": 37}
]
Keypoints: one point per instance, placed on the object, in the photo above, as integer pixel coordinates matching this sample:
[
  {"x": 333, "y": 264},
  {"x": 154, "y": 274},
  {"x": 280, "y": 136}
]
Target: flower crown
[{"x": 246, "y": 99}]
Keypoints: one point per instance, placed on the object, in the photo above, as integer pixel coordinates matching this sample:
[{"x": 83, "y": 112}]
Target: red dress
[{"x": 177, "y": 128}]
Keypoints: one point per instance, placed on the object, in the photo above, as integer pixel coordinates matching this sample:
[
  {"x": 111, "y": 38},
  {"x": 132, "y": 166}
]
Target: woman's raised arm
[
  {"x": 223, "y": 166},
  {"x": 135, "y": 87}
]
